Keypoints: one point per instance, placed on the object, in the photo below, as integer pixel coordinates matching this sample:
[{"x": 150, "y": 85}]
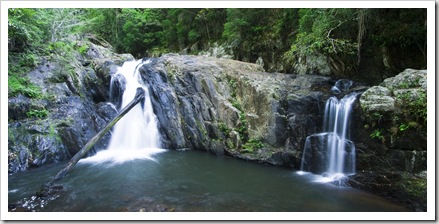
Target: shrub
[{"x": 37, "y": 113}]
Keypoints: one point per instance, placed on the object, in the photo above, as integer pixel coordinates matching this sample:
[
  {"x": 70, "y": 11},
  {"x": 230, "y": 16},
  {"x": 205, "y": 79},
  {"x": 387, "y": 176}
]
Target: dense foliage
[{"x": 351, "y": 40}]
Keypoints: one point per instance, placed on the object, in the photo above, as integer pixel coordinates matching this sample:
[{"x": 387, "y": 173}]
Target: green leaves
[
  {"x": 37, "y": 113},
  {"x": 252, "y": 145},
  {"x": 322, "y": 30},
  {"x": 141, "y": 30},
  {"x": 24, "y": 28},
  {"x": 21, "y": 85},
  {"x": 20, "y": 64},
  {"x": 281, "y": 37},
  {"x": 378, "y": 135},
  {"x": 415, "y": 106},
  {"x": 403, "y": 127}
]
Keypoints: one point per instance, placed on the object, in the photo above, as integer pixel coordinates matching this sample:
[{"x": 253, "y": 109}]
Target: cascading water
[
  {"x": 331, "y": 153},
  {"x": 135, "y": 136}
]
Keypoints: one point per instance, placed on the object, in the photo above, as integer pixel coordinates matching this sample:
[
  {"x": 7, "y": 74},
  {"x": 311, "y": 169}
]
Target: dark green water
[{"x": 192, "y": 181}]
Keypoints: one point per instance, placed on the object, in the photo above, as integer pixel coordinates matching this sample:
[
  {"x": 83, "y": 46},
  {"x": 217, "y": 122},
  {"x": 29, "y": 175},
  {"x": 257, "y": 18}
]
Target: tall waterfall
[
  {"x": 135, "y": 135},
  {"x": 332, "y": 153}
]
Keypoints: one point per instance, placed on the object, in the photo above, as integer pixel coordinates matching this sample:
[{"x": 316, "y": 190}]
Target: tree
[
  {"x": 63, "y": 22},
  {"x": 210, "y": 23},
  {"x": 25, "y": 28},
  {"x": 327, "y": 32},
  {"x": 141, "y": 30},
  {"x": 253, "y": 33},
  {"x": 105, "y": 23},
  {"x": 405, "y": 33}
]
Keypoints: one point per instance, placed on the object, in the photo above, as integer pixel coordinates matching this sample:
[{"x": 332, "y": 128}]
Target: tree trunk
[{"x": 140, "y": 95}]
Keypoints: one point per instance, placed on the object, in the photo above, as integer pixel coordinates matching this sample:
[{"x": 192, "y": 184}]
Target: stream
[{"x": 190, "y": 181}]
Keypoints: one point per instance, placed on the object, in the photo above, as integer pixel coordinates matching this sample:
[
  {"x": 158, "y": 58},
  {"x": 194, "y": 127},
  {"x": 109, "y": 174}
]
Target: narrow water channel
[{"x": 191, "y": 181}]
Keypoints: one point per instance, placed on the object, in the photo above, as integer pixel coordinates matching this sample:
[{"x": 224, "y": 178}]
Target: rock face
[
  {"x": 390, "y": 133},
  {"x": 70, "y": 112},
  {"x": 216, "y": 105},
  {"x": 377, "y": 98},
  {"x": 392, "y": 117},
  {"x": 313, "y": 64},
  {"x": 230, "y": 107}
]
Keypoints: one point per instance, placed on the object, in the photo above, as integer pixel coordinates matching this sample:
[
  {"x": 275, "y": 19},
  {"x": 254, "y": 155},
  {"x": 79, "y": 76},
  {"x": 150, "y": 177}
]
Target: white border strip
[{"x": 429, "y": 215}]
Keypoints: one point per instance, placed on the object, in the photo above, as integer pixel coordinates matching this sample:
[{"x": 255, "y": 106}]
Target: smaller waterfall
[
  {"x": 332, "y": 153},
  {"x": 136, "y": 135}
]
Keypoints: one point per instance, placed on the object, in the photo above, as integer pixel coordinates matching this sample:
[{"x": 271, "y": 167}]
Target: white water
[
  {"x": 339, "y": 112},
  {"x": 135, "y": 135},
  {"x": 334, "y": 141}
]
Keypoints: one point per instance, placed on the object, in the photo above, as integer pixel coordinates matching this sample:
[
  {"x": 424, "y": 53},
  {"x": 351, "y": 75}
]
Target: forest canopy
[{"x": 351, "y": 39}]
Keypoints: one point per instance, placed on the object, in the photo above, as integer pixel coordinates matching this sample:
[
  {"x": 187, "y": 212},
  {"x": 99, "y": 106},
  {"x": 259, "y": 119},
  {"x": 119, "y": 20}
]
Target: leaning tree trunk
[{"x": 140, "y": 95}]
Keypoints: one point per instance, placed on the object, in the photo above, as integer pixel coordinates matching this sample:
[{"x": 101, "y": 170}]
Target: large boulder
[{"x": 230, "y": 107}]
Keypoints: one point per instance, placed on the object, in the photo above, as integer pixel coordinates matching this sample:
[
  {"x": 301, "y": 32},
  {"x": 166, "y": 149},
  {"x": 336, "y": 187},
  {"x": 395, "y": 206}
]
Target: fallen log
[{"x": 140, "y": 96}]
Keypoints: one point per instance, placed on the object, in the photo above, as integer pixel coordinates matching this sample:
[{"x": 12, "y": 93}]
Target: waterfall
[
  {"x": 332, "y": 153},
  {"x": 135, "y": 135}
]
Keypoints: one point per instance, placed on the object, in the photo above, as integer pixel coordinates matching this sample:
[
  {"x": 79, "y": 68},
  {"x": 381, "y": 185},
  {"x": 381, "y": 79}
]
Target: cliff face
[{"x": 230, "y": 107}]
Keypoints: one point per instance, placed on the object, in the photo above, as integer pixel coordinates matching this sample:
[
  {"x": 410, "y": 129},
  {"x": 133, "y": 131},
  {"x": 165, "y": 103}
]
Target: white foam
[
  {"x": 135, "y": 135},
  {"x": 113, "y": 157}
]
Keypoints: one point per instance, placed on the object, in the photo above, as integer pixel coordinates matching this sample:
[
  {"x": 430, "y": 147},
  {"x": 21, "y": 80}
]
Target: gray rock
[
  {"x": 377, "y": 99},
  {"x": 217, "y": 105},
  {"x": 387, "y": 108},
  {"x": 313, "y": 64},
  {"x": 75, "y": 111},
  {"x": 409, "y": 78},
  {"x": 18, "y": 106}
]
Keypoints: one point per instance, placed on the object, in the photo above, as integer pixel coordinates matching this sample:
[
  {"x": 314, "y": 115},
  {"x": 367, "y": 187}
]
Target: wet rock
[
  {"x": 70, "y": 112},
  {"x": 400, "y": 187},
  {"x": 105, "y": 70},
  {"x": 49, "y": 189},
  {"x": 217, "y": 147},
  {"x": 44, "y": 195},
  {"x": 106, "y": 110},
  {"x": 18, "y": 107},
  {"x": 391, "y": 140},
  {"x": 283, "y": 158},
  {"x": 316, "y": 153},
  {"x": 403, "y": 135},
  {"x": 96, "y": 87},
  {"x": 33, "y": 144},
  {"x": 165, "y": 102},
  {"x": 117, "y": 88},
  {"x": 341, "y": 86},
  {"x": 217, "y": 105}
]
